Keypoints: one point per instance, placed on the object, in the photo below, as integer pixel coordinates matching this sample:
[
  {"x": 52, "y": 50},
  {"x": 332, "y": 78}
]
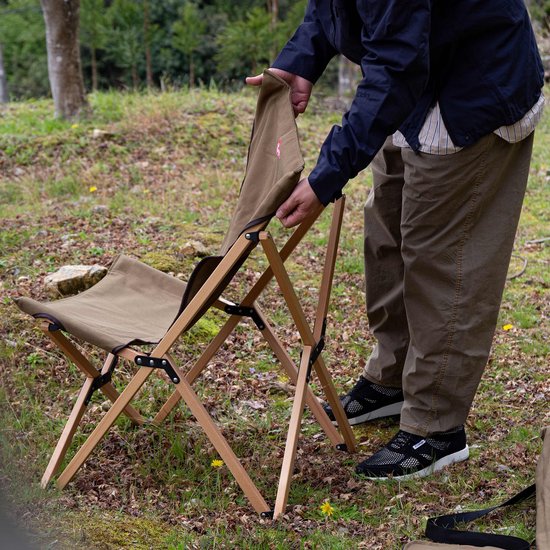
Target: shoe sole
[
  {"x": 388, "y": 410},
  {"x": 459, "y": 456}
]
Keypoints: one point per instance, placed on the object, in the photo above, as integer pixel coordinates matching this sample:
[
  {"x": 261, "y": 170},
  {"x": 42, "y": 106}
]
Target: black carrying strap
[{"x": 440, "y": 529}]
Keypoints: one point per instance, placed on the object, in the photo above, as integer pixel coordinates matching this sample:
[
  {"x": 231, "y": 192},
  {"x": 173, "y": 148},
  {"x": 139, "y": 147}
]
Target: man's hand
[
  {"x": 301, "y": 204},
  {"x": 300, "y": 88}
]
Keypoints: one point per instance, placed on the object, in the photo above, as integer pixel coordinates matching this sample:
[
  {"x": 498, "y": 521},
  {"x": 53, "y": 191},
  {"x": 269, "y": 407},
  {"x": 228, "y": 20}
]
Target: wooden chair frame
[{"x": 311, "y": 358}]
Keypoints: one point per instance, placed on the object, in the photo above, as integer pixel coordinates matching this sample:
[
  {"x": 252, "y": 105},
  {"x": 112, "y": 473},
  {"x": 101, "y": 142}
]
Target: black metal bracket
[
  {"x": 98, "y": 382},
  {"x": 245, "y": 311},
  {"x": 253, "y": 236},
  {"x": 101, "y": 380},
  {"x": 158, "y": 363},
  {"x": 316, "y": 351}
]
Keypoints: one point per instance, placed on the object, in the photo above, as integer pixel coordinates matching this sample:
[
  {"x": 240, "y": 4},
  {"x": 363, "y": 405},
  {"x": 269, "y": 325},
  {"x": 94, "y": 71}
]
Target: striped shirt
[{"x": 435, "y": 140}]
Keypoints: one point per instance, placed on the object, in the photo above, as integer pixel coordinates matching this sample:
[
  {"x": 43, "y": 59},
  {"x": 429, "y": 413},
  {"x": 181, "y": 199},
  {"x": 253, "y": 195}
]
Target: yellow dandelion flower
[
  {"x": 326, "y": 509},
  {"x": 216, "y": 463},
  {"x": 74, "y": 126},
  {"x": 92, "y": 189},
  {"x": 146, "y": 191},
  {"x": 508, "y": 327}
]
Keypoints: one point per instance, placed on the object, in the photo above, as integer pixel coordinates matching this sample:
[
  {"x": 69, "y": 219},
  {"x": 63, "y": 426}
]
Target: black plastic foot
[
  {"x": 342, "y": 447},
  {"x": 267, "y": 515}
]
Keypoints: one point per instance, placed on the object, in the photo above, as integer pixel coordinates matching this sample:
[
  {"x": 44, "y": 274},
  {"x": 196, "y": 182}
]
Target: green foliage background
[
  {"x": 223, "y": 40},
  {"x": 211, "y": 42}
]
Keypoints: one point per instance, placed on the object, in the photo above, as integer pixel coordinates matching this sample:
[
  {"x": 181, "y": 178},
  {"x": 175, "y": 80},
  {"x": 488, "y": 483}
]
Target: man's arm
[
  {"x": 308, "y": 52},
  {"x": 396, "y": 69}
]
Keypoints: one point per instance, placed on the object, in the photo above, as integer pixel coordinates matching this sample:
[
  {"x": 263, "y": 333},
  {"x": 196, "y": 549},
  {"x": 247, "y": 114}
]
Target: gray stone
[
  {"x": 72, "y": 279},
  {"x": 101, "y": 134},
  {"x": 194, "y": 249},
  {"x": 100, "y": 209}
]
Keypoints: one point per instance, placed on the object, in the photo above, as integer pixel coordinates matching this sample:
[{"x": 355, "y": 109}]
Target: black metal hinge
[
  {"x": 98, "y": 382},
  {"x": 253, "y": 236},
  {"x": 316, "y": 351},
  {"x": 101, "y": 380},
  {"x": 158, "y": 363},
  {"x": 245, "y": 311}
]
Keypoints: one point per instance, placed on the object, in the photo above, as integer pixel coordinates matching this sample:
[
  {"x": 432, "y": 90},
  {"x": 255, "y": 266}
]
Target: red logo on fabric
[{"x": 279, "y": 148}]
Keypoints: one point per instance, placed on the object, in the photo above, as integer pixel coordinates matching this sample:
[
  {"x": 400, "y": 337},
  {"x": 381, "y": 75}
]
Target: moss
[
  {"x": 162, "y": 261},
  {"x": 113, "y": 530}
]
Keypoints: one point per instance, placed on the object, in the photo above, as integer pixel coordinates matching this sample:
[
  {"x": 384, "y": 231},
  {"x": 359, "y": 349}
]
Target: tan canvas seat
[
  {"x": 110, "y": 315},
  {"x": 136, "y": 304}
]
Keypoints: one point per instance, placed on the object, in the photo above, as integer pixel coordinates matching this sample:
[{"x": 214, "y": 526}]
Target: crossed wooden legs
[{"x": 80, "y": 406}]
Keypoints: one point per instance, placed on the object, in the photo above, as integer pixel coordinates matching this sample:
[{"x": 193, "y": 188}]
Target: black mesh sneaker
[
  {"x": 409, "y": 456},
  {"x": 367, "y": 401}
]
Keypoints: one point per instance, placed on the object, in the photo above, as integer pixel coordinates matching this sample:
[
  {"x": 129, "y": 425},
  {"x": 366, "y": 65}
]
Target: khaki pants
[{"x": 439, "y": 232}]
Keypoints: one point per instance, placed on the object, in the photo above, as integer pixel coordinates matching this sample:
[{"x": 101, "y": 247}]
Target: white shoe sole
[
  {"x": 459, "y": 456},
  {"x": 388, "y": 410}
]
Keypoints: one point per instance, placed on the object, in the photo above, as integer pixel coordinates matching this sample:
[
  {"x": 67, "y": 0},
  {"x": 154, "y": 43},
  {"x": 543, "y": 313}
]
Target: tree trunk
[
  {"x": 191, "y": 72},
  {"x": 147, "y": 39},
  {"x": 4, "y": 96},
  {"x": 273, "y": 9},
  {"x": 64, "y": 67},
  {"x": 135, "y": 78},
  {"x": 94, "y": 69}
]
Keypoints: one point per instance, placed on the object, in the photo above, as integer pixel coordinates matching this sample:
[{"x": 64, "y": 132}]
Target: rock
[
  {"x": 101, "y": 134},
  {"x": 194, "y": 249},
  {"x": 100, "y": 209},
  {"x": 72, "y": 279}
]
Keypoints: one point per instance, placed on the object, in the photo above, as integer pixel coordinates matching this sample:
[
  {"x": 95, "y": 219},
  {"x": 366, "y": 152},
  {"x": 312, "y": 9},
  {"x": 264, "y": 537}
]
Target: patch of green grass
[
  {"x": 64, "y": 187},
  {"x": 168, "y": 172}
]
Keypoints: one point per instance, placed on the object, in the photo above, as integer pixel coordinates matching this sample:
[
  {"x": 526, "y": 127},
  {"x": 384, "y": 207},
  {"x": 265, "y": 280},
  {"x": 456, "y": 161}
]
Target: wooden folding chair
[{"x": 135, "y": 304}]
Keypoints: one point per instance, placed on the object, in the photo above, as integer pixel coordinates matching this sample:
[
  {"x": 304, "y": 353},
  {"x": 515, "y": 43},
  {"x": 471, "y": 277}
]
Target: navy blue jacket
[{"x": 478, "y": 58}]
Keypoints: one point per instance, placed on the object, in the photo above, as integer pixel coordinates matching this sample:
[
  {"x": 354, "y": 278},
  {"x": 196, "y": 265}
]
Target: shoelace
[{"x": 402, "y": 439}]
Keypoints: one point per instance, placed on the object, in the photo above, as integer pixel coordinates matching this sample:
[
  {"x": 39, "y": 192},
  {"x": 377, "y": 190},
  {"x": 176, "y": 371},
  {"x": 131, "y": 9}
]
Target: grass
[{"x": 162, "y": 172}]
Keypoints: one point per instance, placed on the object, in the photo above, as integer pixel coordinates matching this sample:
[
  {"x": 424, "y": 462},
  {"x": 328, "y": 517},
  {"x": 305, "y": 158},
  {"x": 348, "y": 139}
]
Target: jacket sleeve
[
  {"x": 395, "y": 66},
  {"x": 308, "y": 52}
]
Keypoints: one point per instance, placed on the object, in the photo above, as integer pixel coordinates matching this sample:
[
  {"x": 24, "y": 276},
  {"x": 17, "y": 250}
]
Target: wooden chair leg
[
  {"x": 84, "y": 365},
  {"x": 106, "y": 422},
  {"x": 293, "y": 434},
  {"x": 292, "y": 372},
  {"x": 198, "y": 367},
  {"x": 335, "y": 404},
  {"x": 67, "y": 435},
  {"x": 221, "y": 445},
  {"x": 307, "y": 336}
]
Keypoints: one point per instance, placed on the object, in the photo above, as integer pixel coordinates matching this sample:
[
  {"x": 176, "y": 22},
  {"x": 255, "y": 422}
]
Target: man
[{"x": 450, "y": 96}]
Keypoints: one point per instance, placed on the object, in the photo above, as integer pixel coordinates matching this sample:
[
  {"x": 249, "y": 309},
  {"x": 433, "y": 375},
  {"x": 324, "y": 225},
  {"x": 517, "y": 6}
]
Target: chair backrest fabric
[
  {"x": 273, "y": 169},
  {"x": 274, "y": 162}
]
